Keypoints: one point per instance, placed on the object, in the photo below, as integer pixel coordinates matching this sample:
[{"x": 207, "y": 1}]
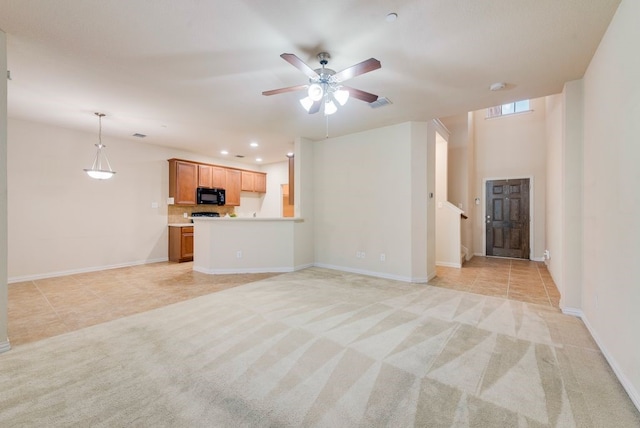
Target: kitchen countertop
[
  {"x": 180, "y": 224},
  {"x": 296, "y": 219}
]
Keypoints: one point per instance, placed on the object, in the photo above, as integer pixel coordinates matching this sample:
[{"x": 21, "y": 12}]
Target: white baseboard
[
  {"x": 373, "y": 273},
  {"x": 447, "y": 264},
  {"x": 243, "y": 270},
  {"x": 82, "y": 270},
  {"x": 572, "y": 311},
  {"x": 5, "y": 346},
  {"x": 626, "y": 384}
]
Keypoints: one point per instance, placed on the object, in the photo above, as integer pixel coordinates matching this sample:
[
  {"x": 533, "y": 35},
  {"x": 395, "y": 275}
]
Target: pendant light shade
[{"x": 101, "y": 168}]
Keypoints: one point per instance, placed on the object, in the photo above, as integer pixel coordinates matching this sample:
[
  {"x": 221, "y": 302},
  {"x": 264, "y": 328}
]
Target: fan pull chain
[{"x": 327, "y": 126}]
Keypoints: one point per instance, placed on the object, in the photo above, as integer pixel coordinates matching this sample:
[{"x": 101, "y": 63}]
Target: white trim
[
  {"x": 626, "y": 383},
  {"x": 531, "y": 211},
  {"x": 83, "y": 270},
  {"x": 252, "y": 270},
  {"x": 508, "y": 114},
  {"x": 5, "y": 346},
  {"x": 243, "y": 270},
  {"x": 372, "y": 273},
  {"x": 449, "y": 264},
  {"x": 573, "y": 312}
]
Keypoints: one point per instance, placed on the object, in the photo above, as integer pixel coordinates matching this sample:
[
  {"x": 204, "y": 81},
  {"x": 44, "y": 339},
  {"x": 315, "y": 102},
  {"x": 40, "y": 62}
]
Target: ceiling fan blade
[
  {"x": 299, "y": 64},
  {"x": 361, "y": 95},
  {"x": 287, "y": 89},
  {"x": 358, "y": 69},
  {"x": 315, "y": 107}
]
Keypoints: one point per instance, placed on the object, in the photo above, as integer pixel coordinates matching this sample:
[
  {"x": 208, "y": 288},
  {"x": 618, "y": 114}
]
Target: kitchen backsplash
[{"x": 176, "y": 213}]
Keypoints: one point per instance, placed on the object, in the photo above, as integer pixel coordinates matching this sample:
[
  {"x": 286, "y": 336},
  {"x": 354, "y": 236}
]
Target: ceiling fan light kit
[{"x": 325, "y": 84}]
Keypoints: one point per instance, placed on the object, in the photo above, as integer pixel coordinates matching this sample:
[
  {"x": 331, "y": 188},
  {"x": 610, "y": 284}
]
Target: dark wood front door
[{"x": 507, "y": 218}]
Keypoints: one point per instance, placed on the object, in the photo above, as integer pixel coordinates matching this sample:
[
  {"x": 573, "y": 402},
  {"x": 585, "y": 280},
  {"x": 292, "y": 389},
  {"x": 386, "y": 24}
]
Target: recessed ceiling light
[
  {"x": 224, "y": 152},
  {"x": 254, "y": 144},
  {"x": 498, "y": 86},
  {"x": 258, "y": 159},
  {"x": 391, "y": 17}
]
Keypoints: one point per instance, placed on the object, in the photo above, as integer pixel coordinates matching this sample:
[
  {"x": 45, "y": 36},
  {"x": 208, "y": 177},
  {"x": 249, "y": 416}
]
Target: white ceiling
[{"x": 190, "y": 73}]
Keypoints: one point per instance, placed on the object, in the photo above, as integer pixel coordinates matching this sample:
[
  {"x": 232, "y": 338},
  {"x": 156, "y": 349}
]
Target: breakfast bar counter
[{"x": 225, "y": 245}]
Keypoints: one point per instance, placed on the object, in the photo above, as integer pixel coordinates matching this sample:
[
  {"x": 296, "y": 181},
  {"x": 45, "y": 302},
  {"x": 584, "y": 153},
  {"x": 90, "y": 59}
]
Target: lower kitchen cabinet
[{"x": 180, "y": 243}]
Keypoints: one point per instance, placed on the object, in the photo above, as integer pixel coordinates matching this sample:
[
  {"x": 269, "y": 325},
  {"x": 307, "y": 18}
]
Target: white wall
[
  {"x": 555, "y": 188},
  {"x": 271, "y": 202},
  {"x": 61, "y": 221},
  {"x": 564, "y": 193},
  {"x": 461, "y": 172},
  {"x": 364, "y": 200},
  {"x": 4, "y": 340},
  {"x": 514, "y": 147},
  {"x": 611, "y": 272}
]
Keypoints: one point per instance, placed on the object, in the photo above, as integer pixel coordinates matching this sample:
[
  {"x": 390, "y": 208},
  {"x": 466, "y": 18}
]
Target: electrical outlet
[
  {"x": 239, "y": 254},
  {"x": 185, "y": 215},
  {"x": 383, "y": 257}
]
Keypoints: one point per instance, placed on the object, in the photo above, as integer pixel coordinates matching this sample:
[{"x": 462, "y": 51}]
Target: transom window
[{"x": 510, "y": 108}]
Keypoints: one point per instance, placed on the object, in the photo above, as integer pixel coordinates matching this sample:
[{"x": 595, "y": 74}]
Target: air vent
[
  {"x": 239, "y": 156},
  {"x": 380, "y": 102},
  {"x": 139, "y": 135}
]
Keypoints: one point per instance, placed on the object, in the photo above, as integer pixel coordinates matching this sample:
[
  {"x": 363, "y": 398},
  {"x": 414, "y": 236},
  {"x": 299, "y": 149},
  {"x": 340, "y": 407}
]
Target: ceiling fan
[{"x": 325, "y": 85}]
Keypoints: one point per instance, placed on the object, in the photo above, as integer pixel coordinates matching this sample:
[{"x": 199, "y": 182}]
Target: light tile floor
[
  {"x": 513, "y": 279},
  {"x": 49, "y": 307}
]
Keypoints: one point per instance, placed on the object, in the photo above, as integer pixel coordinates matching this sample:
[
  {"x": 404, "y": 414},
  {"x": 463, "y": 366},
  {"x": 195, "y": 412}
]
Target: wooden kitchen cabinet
[
  {"x": 185, "y": 177},
  {"x": 212, "y": 176},
  {"x": 183, "y": 181},
  {"x": 180, "y": 243},
  {"x": 233, "y": 185},
  {"x": 254, "y": 181}
]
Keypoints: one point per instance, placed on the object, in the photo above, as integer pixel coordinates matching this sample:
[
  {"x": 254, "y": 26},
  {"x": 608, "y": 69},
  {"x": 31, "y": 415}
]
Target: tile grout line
[
  {"x": 509, "y": 279},
  {"x": 52, "y": 308},
  {"x": 544, "y": 285}
]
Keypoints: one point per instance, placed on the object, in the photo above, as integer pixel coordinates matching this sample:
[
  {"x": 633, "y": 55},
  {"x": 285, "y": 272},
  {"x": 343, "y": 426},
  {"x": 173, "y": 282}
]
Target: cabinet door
[
  {"x": 186, "y": 250},
  {"x": 180, "y": 244},
  {"x": 219, "y": 177},
  {"x": 260, "y": 182},
  {"x": 234, "y": 179},
  {"x": 248, "y": 181},
  {"x": 205, "y": 176},
  {"x": 183, "y": 181}
]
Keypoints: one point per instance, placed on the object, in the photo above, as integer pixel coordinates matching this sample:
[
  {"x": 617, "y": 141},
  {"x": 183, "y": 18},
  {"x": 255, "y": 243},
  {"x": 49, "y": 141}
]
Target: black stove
[{"x": 205, "y": 214}]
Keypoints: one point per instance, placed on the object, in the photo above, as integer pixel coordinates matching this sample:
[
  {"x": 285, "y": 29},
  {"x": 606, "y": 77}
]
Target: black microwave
[{"x": 205, "y": 195}]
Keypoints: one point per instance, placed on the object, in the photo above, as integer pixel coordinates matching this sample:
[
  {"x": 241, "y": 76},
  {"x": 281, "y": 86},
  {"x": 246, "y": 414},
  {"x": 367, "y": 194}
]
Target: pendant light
[{"x": 101, "y": 168}]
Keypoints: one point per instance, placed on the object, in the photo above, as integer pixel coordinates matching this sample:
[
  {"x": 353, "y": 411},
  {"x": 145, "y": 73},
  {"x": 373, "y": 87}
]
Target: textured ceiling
[{"x": 190, "y": 73}]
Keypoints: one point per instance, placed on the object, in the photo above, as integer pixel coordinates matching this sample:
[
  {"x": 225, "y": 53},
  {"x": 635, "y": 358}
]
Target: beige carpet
[{"x": 320, "y": 348}]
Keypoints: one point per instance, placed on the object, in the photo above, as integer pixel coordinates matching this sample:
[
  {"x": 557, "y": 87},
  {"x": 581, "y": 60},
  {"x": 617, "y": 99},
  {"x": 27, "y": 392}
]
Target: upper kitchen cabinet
[
  {"x": 183, "y": 181},
  {"x": 185, "y": 177},
  {"x": 254, "y": 181},
  {"x": 232, "y": 189},
  {"x": 212, "y": 176}
]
